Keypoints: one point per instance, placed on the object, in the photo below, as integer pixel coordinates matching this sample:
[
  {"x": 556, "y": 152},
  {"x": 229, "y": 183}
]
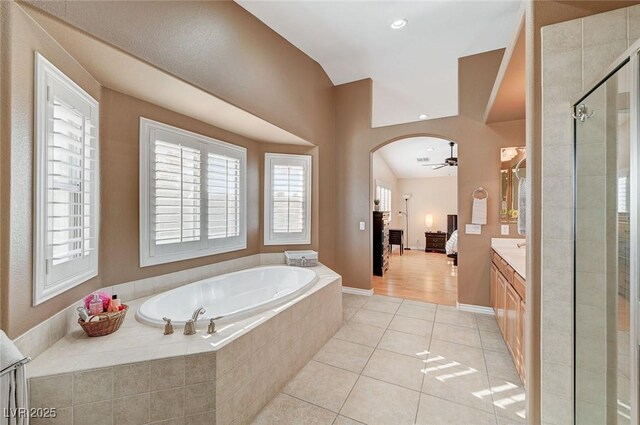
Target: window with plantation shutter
[
  {"x": 287, "y": 199},
  {"x": 66, "y": 183},
  {"x": 192, "y": 195}
]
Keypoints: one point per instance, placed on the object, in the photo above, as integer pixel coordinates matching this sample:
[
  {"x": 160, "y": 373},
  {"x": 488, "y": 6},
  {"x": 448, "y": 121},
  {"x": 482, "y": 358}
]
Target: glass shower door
[{"x": 602, "y": 253}]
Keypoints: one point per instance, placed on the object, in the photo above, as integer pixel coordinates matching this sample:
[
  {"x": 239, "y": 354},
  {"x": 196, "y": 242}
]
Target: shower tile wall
[{"x": 574, "y": 54}]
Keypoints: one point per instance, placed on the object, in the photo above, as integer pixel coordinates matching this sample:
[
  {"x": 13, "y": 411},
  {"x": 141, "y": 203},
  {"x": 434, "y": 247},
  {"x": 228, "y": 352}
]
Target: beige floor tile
[
  {"x": 348, "y": 312},
  {"x": 506, "y": 421},
  {"x": 379, "y": 403},
  {"x": 501, "y": 365},
  {"x": 487, "y": 322},
  {"x": 372, "y": 318},
  {"x": 508, "y": 399},
  {"x": 352, "y": 300},
  {"x": 387, "y": 298},
  {"x": 446, "y": 354},
  {"x": 456, "y": 318},
  {"x": 343, "y": 420},
  {"x": 466, "y": 386},
  {"x": 411, "y": 326},
  {"x": 493, "y": 341},
  {"x": 417, "y": 311},
  {"x": 457, "y": 334},
  {"x": 436, "y": 411},
  {"x": 378, "y": 304},
  {"x": 395, "y": 368},
  {"x": 323, "y": 385},
  {"x": 360, "y": 334},
  {"x": 404, "y": 343},
  {"x": 420, "y": 304},
  {"x": 284, "y": 409},
  {"x": 344, "y": 354}
]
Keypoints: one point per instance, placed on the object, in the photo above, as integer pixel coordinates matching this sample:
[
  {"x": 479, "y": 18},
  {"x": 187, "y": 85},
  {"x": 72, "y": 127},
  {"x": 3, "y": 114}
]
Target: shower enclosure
[{"x": 606, "y": 249}]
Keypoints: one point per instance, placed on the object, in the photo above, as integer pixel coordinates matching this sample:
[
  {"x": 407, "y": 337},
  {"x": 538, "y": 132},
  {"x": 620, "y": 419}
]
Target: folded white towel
[
  {"x": 479, "y": 211},
  {"x": 13, "y": 385},
  {"x": 522, "y": 206}
]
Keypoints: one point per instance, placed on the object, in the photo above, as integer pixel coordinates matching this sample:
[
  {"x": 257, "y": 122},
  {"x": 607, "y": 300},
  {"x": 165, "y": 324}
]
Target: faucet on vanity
[
  {"x": 190, "y": 326},
  {"x": 521, "y": 244}
]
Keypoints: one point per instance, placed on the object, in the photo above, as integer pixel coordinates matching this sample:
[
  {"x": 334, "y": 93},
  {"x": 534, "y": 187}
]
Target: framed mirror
[{"x": 509, "y": 159}]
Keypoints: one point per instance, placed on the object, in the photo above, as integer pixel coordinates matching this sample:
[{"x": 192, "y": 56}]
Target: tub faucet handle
[
  {"x": 190, "y": 327},
  {"x": 168, "y": 327},
  {"x": 212, "y": 327}
]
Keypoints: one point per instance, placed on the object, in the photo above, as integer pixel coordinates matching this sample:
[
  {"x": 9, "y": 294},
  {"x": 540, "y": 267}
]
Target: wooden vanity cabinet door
[
  {"x": 493, "y": 287},
  {"x": 512, "y": 305},
  {"x": 500, "y": 302},
  {"x": 520, "y": 335}
]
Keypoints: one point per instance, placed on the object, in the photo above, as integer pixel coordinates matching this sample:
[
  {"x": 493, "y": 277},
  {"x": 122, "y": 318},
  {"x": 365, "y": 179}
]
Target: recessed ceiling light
[
  {"x": 430, "y": 149},
  {"x": 423, "y": 116},
  {"x": 398, "y": 23}
]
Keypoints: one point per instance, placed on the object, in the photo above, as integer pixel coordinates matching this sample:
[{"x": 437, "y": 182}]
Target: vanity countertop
[{"x": 508, "y": 249}]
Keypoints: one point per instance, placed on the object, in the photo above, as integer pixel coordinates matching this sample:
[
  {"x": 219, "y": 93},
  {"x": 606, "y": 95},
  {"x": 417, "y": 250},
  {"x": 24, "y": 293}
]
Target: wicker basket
[{"x": 106, "y": 323}]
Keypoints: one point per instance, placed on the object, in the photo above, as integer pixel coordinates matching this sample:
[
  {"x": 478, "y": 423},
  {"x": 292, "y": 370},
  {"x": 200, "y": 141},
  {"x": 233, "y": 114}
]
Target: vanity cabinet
[{"x": 508, "y": 302}]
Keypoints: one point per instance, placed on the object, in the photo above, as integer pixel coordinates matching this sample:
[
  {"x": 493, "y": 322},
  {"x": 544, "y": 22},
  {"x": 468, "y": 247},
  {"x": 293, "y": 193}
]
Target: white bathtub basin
[{"x": 233, "y": 295}]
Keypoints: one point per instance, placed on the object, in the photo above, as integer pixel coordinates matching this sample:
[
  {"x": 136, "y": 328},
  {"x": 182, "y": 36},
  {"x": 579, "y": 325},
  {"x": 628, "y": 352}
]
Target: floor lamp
[{"x": 406, "y": 197}]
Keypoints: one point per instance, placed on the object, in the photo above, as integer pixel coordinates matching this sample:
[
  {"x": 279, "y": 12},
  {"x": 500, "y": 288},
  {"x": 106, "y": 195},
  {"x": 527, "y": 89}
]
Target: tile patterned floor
[{"x": 402, "y": 362}]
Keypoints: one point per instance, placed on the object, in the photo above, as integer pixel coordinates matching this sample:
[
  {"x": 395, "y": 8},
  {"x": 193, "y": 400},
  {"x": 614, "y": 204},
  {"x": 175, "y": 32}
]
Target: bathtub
[{"x": 233, "y": 296}]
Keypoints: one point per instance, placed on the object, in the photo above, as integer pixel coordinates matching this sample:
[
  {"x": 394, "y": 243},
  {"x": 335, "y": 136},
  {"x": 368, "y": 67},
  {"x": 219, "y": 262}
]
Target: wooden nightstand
[{"x": 435, "y": 242}]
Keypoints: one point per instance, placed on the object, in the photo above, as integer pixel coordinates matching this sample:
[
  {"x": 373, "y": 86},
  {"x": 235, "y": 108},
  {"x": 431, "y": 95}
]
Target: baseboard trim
[
  {"x": 357, "y": 291},
  {"x": 479, "y": 309}
]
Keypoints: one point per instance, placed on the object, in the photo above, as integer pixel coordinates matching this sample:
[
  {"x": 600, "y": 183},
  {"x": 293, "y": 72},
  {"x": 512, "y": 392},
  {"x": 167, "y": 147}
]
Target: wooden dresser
[
  {"x": 380, "y": 242},
  {"x": 435, "y": 242},
  {"x": 508, "y": 302}
]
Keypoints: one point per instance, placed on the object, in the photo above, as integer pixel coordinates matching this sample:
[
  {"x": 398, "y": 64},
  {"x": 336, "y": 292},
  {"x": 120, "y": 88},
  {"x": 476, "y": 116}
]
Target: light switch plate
[
  {"x": 473, "y": 229},
  {"x": 504, "y": 230},
  {"x": 362, "y": 225}
]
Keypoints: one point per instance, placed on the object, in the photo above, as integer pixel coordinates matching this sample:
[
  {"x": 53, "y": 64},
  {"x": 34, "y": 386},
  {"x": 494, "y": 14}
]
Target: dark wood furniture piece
[
  {"x": 396, "y": 237},
  {"x": 380, "y": 242},
  {"x": 435, "y": 242},
  {"x": 452, "y": 225}
]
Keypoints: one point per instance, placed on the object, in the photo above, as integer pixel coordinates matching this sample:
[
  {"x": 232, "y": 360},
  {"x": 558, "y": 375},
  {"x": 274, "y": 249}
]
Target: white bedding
[{"x": 452, "y": 244}]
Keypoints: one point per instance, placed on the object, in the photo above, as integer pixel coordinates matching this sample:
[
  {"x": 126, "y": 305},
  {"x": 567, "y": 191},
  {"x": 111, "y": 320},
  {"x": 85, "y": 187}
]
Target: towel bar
[{"x": 15, "y": 366}]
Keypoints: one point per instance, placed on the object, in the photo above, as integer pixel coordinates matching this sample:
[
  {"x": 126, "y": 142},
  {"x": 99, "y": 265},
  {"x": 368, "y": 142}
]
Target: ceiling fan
[{"x": 452, "y": 161}]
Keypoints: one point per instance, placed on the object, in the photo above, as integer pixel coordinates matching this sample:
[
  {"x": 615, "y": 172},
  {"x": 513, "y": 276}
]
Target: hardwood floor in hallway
[{"x": 421, "y": 276}]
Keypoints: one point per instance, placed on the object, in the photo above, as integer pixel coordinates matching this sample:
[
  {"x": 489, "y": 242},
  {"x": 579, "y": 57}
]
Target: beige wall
[
  {"x": 479, "y": 146},
  {"x": 120, "y": 114},
  {"x": 431, "y": 195},
  {"x": 223, "y": 49}
]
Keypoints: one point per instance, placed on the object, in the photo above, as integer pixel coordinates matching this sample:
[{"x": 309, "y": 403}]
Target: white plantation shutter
[
  {"x": 67, "y": 173},
  {"x": 287, "y": 199},
  {"x": 223, "y": 190},
  {"x": 191, "y": 195},
  {"x": 383, "y": 193},
  {"x": 176, "y": 193}
]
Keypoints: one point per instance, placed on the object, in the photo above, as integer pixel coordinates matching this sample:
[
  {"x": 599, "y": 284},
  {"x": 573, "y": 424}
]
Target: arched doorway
[{"x": 414, "y": 196}]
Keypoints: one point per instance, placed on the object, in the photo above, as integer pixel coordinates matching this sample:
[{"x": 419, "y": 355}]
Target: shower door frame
[{"x": 632, "y": 57}]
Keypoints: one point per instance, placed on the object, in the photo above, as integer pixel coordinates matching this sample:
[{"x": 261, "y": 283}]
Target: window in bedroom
[{"x": 383, "y": 193}]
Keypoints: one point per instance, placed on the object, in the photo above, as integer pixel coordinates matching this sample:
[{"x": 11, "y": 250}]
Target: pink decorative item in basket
[{"x": 106, "y": 298}]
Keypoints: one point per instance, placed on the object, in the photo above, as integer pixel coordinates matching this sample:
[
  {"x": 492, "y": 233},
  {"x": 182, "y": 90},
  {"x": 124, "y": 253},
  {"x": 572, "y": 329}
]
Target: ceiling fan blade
[
  {"x": 437, "y": 167},
  {"x": 433, "y": 165}
]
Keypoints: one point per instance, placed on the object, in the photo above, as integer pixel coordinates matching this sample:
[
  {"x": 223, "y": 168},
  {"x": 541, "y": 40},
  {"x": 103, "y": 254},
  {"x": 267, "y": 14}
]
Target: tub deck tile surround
[
  {"x": 38, "y": 339},
  {"x": 149, "y": 378}
]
